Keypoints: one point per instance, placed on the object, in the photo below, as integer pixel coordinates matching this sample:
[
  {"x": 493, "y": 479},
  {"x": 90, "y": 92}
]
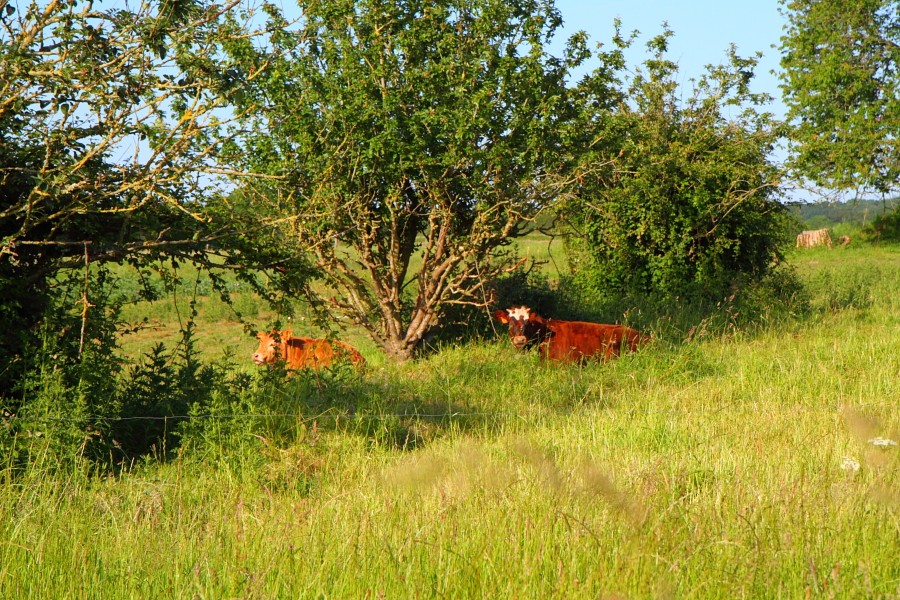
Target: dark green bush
[
  {"x": 885, "y": 227},
  {"x": 678, "y": 202},
  {"x": 79, "y": 401},
  {"x": 70, "y": 383}
]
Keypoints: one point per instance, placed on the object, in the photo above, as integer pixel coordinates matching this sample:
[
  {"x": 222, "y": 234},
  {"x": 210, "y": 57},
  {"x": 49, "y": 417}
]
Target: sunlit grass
[
  {"x": 228, "y": 329},
  {"x": 716, "y": 468}
]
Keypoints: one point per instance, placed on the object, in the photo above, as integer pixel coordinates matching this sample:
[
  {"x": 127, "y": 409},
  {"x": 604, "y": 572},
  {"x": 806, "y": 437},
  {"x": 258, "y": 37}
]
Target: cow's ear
[
  {"x": 502, "y": 316},
  {"x": 286, "y": 334}
]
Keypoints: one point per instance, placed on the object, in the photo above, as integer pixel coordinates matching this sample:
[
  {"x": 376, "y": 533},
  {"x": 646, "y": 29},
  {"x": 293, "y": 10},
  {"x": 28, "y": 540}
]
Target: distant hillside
[{"x": 828, "y": 214}]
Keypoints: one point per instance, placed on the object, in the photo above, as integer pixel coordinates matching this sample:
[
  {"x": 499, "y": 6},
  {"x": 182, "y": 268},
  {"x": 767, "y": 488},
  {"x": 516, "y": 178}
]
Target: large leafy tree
[
  {"x": 109, "y": 121},
  {"x": 678, "y": 196},
  {"x": 841, "y": 82},
  {"x": 406, "y": 143},
  {"x": 100, "y": 112}
]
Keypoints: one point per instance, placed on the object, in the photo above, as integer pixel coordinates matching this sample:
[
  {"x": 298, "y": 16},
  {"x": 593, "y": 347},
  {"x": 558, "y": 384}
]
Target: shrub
[
  {"x": 677, "y": 204},
  {"x": 69, "y": 389},
  {"x": 79, "y": 402},
  {"x": 885, "y": 227}
]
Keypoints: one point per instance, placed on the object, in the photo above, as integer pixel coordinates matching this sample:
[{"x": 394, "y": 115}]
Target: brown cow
[
  {"x": 302, "y": 352},
  {"x": 567, "y": 340}
]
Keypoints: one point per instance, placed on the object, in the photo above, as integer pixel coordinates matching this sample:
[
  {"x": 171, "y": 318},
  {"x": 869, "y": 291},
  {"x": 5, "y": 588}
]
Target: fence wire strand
[{"x": 351, "y": 415}]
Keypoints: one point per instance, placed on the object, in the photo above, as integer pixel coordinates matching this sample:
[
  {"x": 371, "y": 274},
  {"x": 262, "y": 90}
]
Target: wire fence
[{"x": 517, "y": 415}]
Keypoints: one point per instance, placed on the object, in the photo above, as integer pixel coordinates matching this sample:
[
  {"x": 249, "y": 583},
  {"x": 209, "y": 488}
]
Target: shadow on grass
[
  {"x": 480, "y": 389},
  {"x": 380, "y": 408}
]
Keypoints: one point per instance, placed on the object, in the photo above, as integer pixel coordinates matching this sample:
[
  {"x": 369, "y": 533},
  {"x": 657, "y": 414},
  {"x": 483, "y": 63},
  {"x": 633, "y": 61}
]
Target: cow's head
[
  {"x": 526, "y": 328},
  {"x": 270, "y": 346}
]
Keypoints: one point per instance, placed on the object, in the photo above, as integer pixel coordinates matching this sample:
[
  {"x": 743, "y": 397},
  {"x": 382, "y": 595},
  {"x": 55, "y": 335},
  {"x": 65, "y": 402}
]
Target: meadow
[{"x": 738, "y": 464}]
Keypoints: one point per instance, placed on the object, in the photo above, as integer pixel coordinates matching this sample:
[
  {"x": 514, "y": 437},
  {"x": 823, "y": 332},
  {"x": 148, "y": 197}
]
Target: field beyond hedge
[{"x": 739, "y": 464}]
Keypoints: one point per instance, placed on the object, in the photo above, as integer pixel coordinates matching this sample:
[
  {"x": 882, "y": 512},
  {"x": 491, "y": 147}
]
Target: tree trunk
[
  {"x": 402, "y": 346},
  {"x": 398, "y": 350}
]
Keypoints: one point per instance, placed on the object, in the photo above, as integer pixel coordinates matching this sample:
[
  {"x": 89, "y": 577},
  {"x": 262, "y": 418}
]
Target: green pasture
[
  {"x": 737, "y": 465},
  {"x": 228, "y": 329}
]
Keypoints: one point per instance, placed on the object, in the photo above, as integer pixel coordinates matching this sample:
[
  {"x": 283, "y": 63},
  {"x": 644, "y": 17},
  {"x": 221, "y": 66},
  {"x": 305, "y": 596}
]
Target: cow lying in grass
[
  {"x": 302, "y": 352},
  {"x": 567, "y": 341}
]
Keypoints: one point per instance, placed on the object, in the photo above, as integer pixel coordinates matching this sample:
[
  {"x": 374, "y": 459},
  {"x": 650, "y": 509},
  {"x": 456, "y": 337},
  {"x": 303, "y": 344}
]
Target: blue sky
[{"x": 703, "y": 31}]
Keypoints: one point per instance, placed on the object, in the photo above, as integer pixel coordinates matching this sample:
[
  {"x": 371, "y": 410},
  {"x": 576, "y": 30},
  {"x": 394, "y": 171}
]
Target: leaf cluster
[
  {"x": 110, "y": 120},
  {"x": 840, "y": 82},
  {"x": 678, "y": 199}
]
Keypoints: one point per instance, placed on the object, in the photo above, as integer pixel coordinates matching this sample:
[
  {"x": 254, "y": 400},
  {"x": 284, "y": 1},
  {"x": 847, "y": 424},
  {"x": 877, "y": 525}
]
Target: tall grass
[{"x": 739, "y": 465}]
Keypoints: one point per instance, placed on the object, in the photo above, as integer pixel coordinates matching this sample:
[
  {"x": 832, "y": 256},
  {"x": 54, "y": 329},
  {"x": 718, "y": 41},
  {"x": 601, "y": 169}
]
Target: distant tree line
[{"x": 858, "y": 212}]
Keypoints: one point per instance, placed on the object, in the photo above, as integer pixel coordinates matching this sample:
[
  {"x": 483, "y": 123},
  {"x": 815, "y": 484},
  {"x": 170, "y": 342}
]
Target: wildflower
[
  {"x": 850, "y": 464},
  {"x": 882, "y": 442}
]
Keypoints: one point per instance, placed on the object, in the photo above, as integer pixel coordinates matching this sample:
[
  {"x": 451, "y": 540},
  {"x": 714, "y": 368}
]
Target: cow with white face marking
[
  {"x": 524, "y": 330},
  {"x": 567, "y": 341}
]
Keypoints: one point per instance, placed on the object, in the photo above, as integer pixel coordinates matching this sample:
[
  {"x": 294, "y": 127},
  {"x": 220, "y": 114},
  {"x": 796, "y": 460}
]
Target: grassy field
[
  {"x": 221, "y": 333},
  {"x": 740, "y": 465}
]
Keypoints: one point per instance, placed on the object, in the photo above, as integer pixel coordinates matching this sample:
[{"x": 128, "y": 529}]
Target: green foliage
[
  {"x": 678, "y": 200},
  {"x": 70, "y": 389},
  {"x": 840, "y": 84},
  {"x": 225, "y": 426},
  {"x": 157, "y": 394},
  {"x": 246, "y": 417},
  {"x": 109, "y": 122},
  {"x": 885, "y": 227},
  {"x": 388, "y": 131},
  {"x": 79, "y": 403}
]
